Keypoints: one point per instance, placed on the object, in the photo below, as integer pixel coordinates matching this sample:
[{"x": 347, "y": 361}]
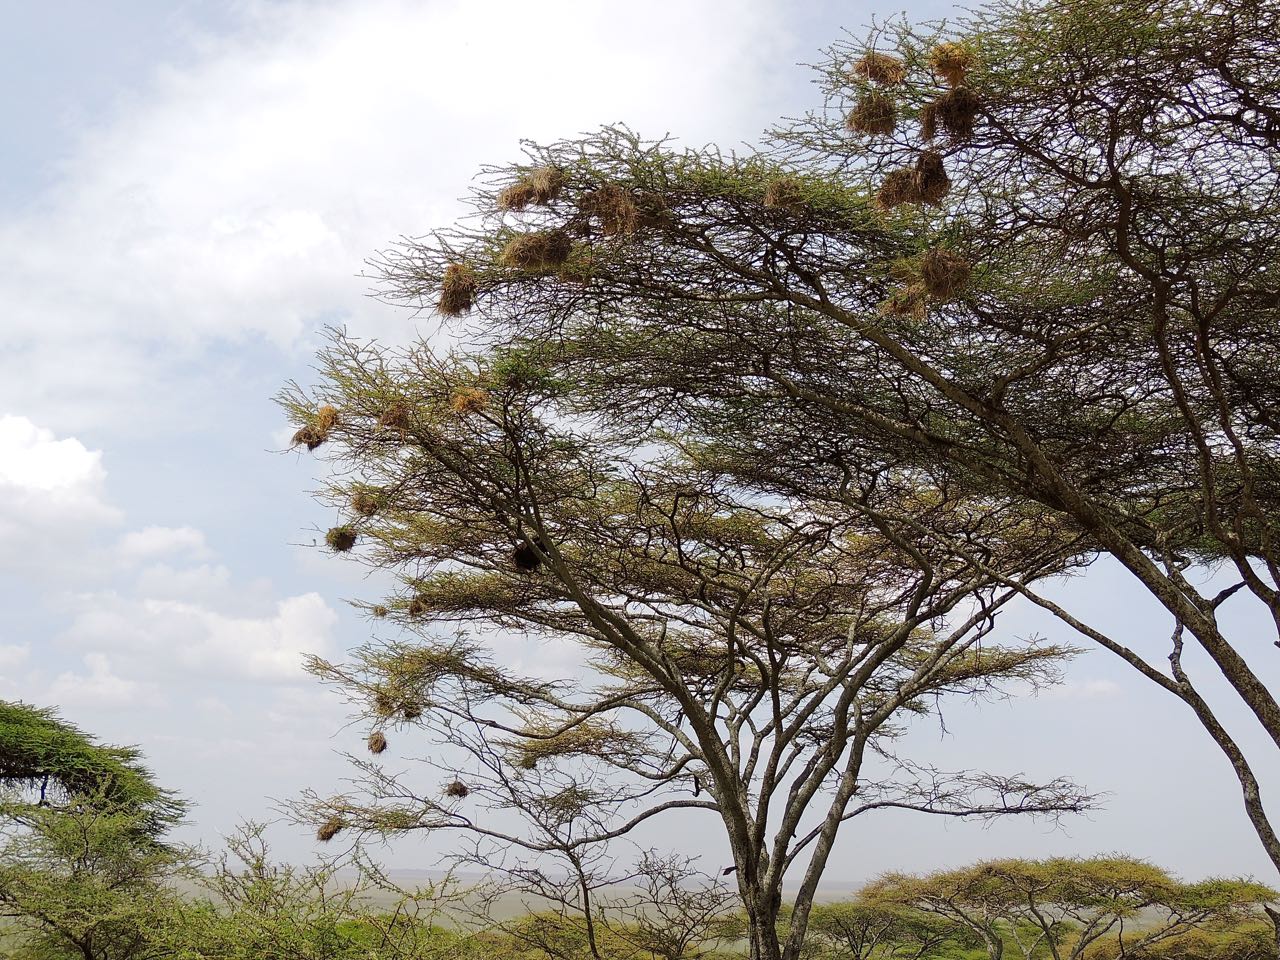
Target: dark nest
[
  {"x": 457, "y": 789},
  {"x": 398, "y": 416},
  {"x": 525, "y": 557},
  {"x": 468, "y": 400},
  {"x": 875, "y": 114},
  {"x": 880, "y": 68},
  {"x": 951, "y": 62},
  {"x": 955, "y": 112},
  {"x": 341, "y": 539},
  {"x": 329, "y": 829},
  {"x": 411, "y": 710},
  {"x": 418, "y": 607},
  {"x": 944, "y": 272},
  {"x": 614, "y": 208},
  {"x": 542, "y": 186},
  {"x": 899, "y": 187},
  {"x": 377, "y": 742},
  {"x": 783, "y": 192},
  {"x": 364, "y": 503},
  {"x": 317, "y": 431},
  {"x": 931, "y": 180},
  {"x": 380, "y": 611},
  {"x": 457, "y": 290},
  {"x": 309, "y": 435},
  {"x": 542, "y": 251}
]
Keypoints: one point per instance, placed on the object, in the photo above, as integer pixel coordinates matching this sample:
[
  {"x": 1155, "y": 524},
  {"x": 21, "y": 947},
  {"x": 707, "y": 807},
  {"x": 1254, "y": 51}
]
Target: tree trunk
[
  {"x": 1274, "y": 914},
  {"x": 762, "y": 925}
]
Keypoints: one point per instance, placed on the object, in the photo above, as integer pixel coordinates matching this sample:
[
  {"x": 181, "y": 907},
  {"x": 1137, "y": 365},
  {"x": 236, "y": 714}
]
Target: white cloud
[
  {"x": 53, "y": 505},
  {"x": 32, "y": 460},
  {"x": 151, "y": 542},
  {"x": 242, "y": 194},
  {"x": 186, "y": 640},
  {"x": 13, "y": 655},
  {"x": 99, "y": 687}
]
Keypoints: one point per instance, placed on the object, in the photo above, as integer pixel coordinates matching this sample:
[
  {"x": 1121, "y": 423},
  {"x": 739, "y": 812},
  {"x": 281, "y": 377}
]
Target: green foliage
[
  {"x": 866, "y": 929},
  {"x": 43, "y": 755},
  {"x": 85, "y": 880},
  {"x": 1092, "y": 908}
]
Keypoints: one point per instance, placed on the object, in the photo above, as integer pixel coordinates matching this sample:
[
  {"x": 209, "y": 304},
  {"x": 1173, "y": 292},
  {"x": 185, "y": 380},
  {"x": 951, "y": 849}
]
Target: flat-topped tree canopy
[{"x": 47, "y": 761}]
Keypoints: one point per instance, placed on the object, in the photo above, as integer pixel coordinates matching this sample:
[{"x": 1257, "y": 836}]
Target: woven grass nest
[
  {"x": 955, "y": 112},
  {"x": 539, "y": 187},
  {"x": 525, "y": 557},
  {"x": 951, "y": 62},
  {"x": 457, "y": 290},
  {"x": 614, "y": 208},
  {"x": 468, "y": 400},
  {"x": 875, "y": 114},
  {"x": 540, "y": 252},
  {"x": 398, "y": 416},
  {"x": 341, "y": 538},
  {"x": 317, "y": 431},
  {"x": 783, "y": 193},
  {"x": 943, "y": 273},
  {"x": 329, "y": 829},
  {"x": 458, "y": 790},
  {"x": 310, "y": 436},
  {"x": 899, "y": 187},
  {"x": 910, "y": 301},
  {"x": 931, "y": 180},
  {"x": 365, "y": 503},
  {"x": 926, "y": 183},
  {"x": 880, "y": 68},
  {"x": 377, "y": 742}
]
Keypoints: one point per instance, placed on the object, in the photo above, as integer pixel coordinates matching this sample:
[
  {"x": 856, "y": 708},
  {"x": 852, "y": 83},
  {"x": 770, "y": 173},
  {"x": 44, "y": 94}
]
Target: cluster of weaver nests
[
  {"x": 317, "y": 431},
  {"x": 939, "y": 273},
  {"x": 954, "y": 113}
]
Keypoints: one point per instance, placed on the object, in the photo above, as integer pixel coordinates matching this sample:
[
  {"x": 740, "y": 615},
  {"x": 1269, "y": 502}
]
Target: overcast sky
[{"x": 188, "y": 191}]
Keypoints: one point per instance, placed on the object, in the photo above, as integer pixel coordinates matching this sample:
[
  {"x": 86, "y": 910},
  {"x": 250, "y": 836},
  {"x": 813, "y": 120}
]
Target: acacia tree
[
  {"x": 85, "y": 868},
  {"x": 1030, "y": 261},
  {"x": 665, "y": 908},
  {"x": 249, "y": 907},
  {"x": 47, "y": 762},
  {"x": 738, "y": 653},
  {"x": 1068, "y": 909},
  {"x": 867, "y": 929}
]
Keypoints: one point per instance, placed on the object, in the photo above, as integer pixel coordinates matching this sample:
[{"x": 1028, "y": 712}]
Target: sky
[{"x": 188, "y": 194}]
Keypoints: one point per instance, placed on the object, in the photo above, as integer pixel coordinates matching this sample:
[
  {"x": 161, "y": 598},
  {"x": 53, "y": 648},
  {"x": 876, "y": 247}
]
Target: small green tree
[
  {"x": 250, "y": 907},
  {"x": 46, "y": 761},
  {"x": 85, "y": 870},
  {"x": 75, "y": 882},
  {"x": 1069, "y": 909},
  {"x": 869, "y": 929}
]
